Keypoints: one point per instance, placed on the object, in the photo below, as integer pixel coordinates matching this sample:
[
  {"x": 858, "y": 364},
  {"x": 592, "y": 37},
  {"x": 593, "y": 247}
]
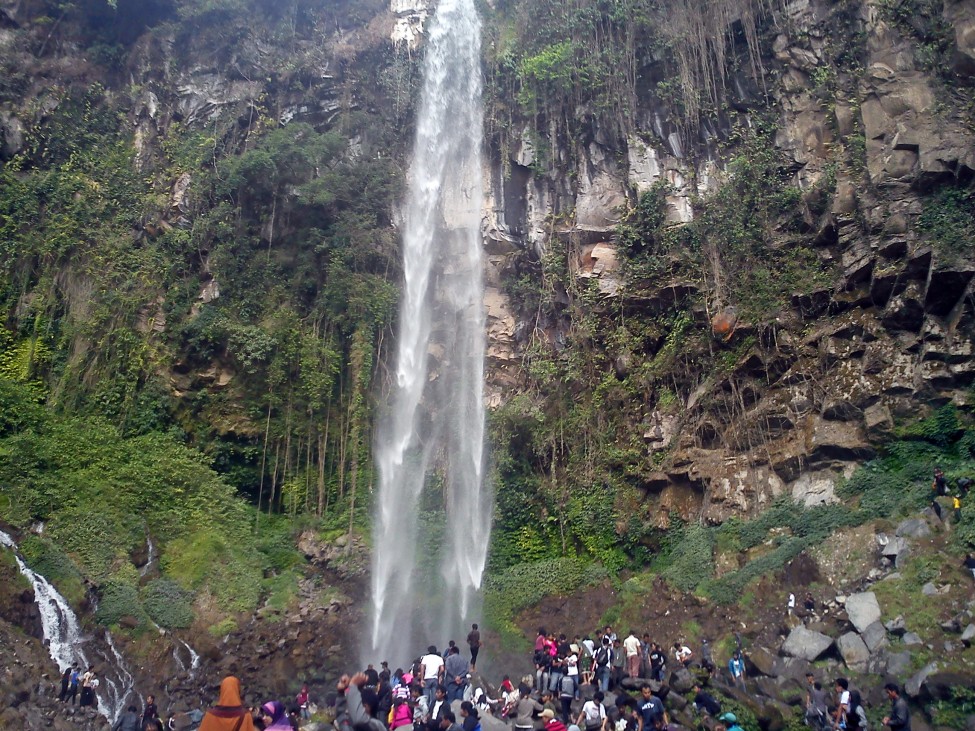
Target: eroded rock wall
[{"x": 889, "y": 337}]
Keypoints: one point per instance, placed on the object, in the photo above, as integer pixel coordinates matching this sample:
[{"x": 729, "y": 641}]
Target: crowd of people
[{"x": 626, "y": 679}]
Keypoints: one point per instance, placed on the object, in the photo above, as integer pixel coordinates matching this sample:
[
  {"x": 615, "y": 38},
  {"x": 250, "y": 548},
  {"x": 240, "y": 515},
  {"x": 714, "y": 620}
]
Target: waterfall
[
  {"x": 65, "y": 641},
  {"x": 436, "y": 413}
]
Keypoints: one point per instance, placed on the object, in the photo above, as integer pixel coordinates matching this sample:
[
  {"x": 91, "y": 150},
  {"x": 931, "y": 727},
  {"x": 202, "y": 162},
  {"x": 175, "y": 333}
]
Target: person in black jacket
[
  {"x": 128, "y": 721},
  {"x": 900, "y": 716}
]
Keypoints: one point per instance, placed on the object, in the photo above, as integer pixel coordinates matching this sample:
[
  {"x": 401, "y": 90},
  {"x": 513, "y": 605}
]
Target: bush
[
  {"x": 48, "y": 560},
  {"x": 168, "y": 604},
  {"x": 119, "y": 599},
  {"x": 692, "y": 560}
]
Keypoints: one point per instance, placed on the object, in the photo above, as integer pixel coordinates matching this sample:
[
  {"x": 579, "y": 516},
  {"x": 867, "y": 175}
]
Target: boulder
[
  {"x": 762, "y": 660},
  {"x": 913, "y": 528},
  {"x": 490, "y": 723},
  {"x": 791, "y": 667},
  {"x": 896, "y": 626},
  {"x": 806, "y": 644},
  {"x": 893, "y": 547},
  {"x": 853, "y": 650},
  {"x": 911, "y": 638},
  {"x": 899, "y": 663},
  {"x": 875, "y": 637},
  {"x": 913, "y": 686},
  {"x": 681, "y": 680},
  {"x": 968, "y": 635},
  {"x": 929, "y": 589},
  {"x": 863, "y": 610}
]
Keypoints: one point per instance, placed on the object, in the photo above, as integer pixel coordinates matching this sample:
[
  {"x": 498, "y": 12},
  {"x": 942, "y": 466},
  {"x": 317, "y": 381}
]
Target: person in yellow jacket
[{"x": 956, "y": 505}]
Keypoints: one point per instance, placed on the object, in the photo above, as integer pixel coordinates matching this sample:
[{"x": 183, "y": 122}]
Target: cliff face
[{"x": 871, "y": 131}]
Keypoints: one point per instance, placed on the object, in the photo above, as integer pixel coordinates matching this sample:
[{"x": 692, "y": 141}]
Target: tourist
[
  {"x": 631, "y": 645},
  {"x": 956, "y": 507},
  {"x": 791, "y": 604},
  {"x": 472, "y": 722},
  {"x": 658, "y": 663},
  {"x": 65, "y": 682},
  {"x": 361, "y": 704},
  {"x": 618, "y": 664},
  {"x": 842, "y": 687},
  {"x": 550, "y": 722},
  {"x": 302, "y": 700},
  {"x": 817, "y": 704},
  {"x": 275, "y": 717},
  {"x": 88, "y": 685},
  {"x": 128, "y": 721},
  {"x": 683, "y": 654},
  {"x": 73, "y": 683},
  {"x": 455, "y": 673},
  {"x": 939, "y": 485},
  {"x": 603, "y": 660},
  {"x": 900, "y": 716},
  {"x": 441, "y": 704},
  {"x": 736, "y": 666},
  {"x": 449, "y": 722},
  {"x": 229, "y": 714},
  {"x": 706, "y": 703},
  {"x": 567, "y": 693},
  {"x": 572, "y": 669},
  {"x": 651, "y": 708},
  {"x": 151, "y": 711},
  {"x": 474, "y": 643},
  {"x": 431, "y": 672},
  {"x": 421, "y": 708},
  {"x": 526, "y": 709},
  {"x": 401, "y": 713},
  {"x": 593, "y": 714},
  {"x": 731, "y": 720}
]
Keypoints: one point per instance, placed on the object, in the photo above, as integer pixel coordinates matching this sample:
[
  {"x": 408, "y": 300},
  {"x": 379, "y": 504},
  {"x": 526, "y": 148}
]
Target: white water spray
[
  {"x": 436, "y": 415},
  {"x": 63, "y": 636}
]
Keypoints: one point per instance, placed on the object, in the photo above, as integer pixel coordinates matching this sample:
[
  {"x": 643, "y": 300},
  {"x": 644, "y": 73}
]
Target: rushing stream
[
  {"x": 436, "y": 414},
  {"x": 66, "y": 642}
]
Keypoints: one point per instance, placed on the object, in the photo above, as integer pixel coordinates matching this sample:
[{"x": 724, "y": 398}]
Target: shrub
[
  {"x": 692, "y": 559},
  {"x": 168, "y": 604},
  {"x": 119, "y": 599}
]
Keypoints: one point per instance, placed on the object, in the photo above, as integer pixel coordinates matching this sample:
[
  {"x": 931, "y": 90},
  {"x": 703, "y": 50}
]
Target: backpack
[
  {"x": 567, "y": 686},
  {"x": 602, "y": 656},
  {"x": 541, "y": 657}
]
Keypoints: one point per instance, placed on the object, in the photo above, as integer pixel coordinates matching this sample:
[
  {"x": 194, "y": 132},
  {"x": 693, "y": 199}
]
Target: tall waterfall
[{"x": 436, "y": 414}]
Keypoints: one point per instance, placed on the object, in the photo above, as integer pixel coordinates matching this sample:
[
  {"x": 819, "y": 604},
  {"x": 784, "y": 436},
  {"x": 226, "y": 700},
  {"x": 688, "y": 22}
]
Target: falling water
[
  {"x": 436, "y": 414},
  {"x": 63, "y": 636}
]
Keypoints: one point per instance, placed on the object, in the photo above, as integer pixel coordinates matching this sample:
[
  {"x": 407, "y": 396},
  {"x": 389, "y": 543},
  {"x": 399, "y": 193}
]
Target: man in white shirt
[
  {"x": 431, "y": 670},
  {"x": 632, "y": 647}
]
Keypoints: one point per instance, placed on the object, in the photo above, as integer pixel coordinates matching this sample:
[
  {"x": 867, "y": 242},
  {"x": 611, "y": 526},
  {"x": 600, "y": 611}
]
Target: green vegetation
[
  {"x": 101, "y": 493},
  {"x": 948, "y": 222},
  {"x": 521, "y": 586}
]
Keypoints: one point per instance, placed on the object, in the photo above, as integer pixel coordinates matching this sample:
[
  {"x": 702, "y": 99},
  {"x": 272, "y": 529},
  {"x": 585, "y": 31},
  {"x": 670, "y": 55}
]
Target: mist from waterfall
[{"x": 434, "y": 427}]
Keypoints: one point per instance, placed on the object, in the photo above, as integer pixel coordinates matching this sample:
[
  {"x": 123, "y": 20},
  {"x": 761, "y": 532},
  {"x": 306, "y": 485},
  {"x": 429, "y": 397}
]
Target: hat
[
  {"x": 729, "y": 717},
  {"x": 574, "y": 648},
  {"x": 548, "y": 714}
]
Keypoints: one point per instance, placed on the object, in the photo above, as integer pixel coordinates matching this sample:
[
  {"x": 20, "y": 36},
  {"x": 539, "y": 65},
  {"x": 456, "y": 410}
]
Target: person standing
[
  {"x": 151, "y": 712},
  {"x": 455, "y": 673},
  {"x": 302, "y": 700},
  {"x": 88, "y": 687},
  {"x": 736, "y": 666},
  {"x": 593, "y": 714},
  {"x": 603, "y": 659},
  {"x": 431, "y": 671},
  {"x": 900, "y": 715},
  {"x": 791, "y": 604},
  {"x": 956, "y": 506},
  {"x": 73, "y": 684},
  {"x": 842, "y": 687},
  {"x": 65, "y": 681},
  {"x": 632, "y": 647},
  {"x": 474, "y": 642},
  {"x": 128, "y": 721},
  {"x": 229, "y": 714}
]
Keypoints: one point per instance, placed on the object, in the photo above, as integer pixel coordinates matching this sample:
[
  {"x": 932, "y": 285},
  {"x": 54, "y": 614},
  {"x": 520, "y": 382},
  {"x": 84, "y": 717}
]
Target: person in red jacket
[{"x": 550, "y": 722}]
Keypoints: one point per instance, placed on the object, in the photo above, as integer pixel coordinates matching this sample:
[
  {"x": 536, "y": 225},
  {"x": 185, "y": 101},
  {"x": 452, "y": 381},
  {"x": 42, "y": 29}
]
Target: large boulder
[
  {"x": 863, "y": 610},
  {"x": 899, "y": 663},
  {"x": 853, "y": 650},
  {"x": 913, "y": 686},
  {"x": 806, "y": 644},
  {"x": 914, "y": 528},
  {"x": 762, "y": 660},
  {"x": 875, "y": 637}
]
